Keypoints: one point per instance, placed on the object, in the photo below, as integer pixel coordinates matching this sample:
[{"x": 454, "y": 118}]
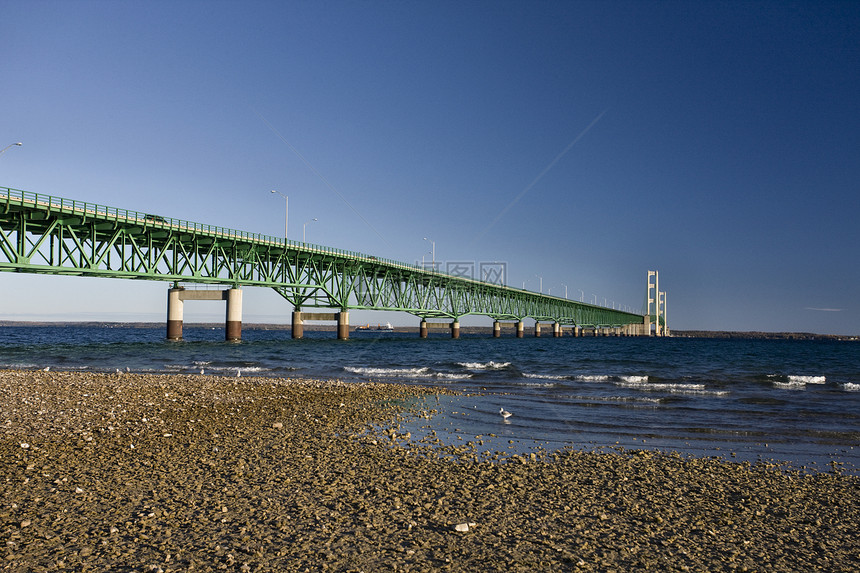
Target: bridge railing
[{"x": 9, "y": 196}]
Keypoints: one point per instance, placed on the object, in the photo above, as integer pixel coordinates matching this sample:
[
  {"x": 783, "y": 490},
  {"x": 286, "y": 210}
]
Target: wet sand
[{"x": 127, "y": 472}]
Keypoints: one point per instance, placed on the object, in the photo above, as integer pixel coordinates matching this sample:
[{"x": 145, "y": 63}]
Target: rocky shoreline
[{"x": 128, "y": 472}]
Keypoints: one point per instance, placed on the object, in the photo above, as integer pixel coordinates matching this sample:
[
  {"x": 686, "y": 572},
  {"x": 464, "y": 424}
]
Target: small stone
[
  {"x": 25, "y": 523},
  {"x": 277, "y": 425},
  {"x": 25, "y": 445},
  {"x": 465, "y": 526}
]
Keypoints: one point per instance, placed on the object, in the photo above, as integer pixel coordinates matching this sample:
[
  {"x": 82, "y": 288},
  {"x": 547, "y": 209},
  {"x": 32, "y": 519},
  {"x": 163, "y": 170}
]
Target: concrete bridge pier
[
  {"x": 233, "y": 327},
  {"x": 422, "y": 330},
  {"x": 298, "y": 327},
  {"x": 520, "y": 329},
  {"x": 177, "y": 296},
  {"x": 343, "y": 325},
  {"x": 497, "y": 329},
  {"x": 174, "y": 314},
  {"x": 537, "y": 329},
  {"x": 556, "y": 330},
  {"x": 455, "y": 329}
]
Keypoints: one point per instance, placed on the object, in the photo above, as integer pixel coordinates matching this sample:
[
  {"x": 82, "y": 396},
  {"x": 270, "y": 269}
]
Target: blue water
[{"x": 794, "y": 401}]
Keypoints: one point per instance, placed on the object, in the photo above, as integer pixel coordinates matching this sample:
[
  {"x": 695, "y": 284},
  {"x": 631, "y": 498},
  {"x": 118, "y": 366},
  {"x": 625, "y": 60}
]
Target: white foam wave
[
  {"x": 408, "y": 372},
  {"x": 491, "y": 365},
  {"x": 633, "y": 379},
  {"x": 689, "y": 389},
  {"x": 422, "y": 372},
  {"x": 851, "y": 387},
  {"x": 544, "y": 376},
  {"x": 592, "y": 378},
  {"x": 790, "y": 385},
  {"x": 450, "y": 376},
  {"x": 808, "y": 379}
]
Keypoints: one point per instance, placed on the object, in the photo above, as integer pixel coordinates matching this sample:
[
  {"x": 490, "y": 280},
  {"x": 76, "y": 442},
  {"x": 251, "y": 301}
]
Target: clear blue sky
[{"x": 581, "y": 142}]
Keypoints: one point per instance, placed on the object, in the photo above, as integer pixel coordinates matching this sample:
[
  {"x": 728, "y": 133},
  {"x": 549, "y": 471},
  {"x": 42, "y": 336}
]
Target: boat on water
[{"x": 380, "y": 327}]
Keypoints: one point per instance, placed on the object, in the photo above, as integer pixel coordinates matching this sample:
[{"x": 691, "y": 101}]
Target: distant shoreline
[{"x": 728, "y": 334}]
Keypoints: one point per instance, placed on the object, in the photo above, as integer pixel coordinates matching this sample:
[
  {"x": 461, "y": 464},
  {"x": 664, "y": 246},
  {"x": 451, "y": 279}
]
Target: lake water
[{"x": 796, "y": 401}]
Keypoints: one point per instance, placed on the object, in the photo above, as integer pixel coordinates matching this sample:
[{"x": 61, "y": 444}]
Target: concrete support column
[
  {"x": 174, "y": 314},
  {"x": 233, "y": 328},
  {"x": 298, "y": 325},
  {"x": 422, "y": 330},
  {"x": 575, "y": 330},
  {"x": 556, "y": 330},
  {"x": 520, "y": 327},
  {"x": 455, "y": 329},
  {"x": 343, "y": 325},
  {"x": 537, "y": 329},
  {"x": 497, "y": 329}
]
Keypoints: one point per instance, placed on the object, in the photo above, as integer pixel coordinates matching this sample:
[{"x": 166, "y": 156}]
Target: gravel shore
[{"x": 128, "y": 472}]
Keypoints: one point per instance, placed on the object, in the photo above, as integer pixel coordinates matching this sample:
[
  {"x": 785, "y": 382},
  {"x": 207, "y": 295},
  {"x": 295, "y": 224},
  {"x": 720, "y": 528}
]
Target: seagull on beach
[{"x": 504, "y": 413}]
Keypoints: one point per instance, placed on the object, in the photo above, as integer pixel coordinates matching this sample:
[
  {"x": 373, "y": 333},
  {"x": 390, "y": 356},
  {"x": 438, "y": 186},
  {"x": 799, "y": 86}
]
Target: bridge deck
[{"x": 48, "y": 234}]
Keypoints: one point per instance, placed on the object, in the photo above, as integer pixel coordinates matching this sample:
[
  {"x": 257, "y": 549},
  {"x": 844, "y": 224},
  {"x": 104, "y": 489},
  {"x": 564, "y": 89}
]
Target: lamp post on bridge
[
  {"x": 19, "y": 144},
  {"x": 565, "y": 290},
  {"x": 541, "y": 283},
  {"x": 286, "y": 211},
  {"x": 305, "y": 225},
  {"x": 433, "y": 244},
  {"x": 581, "y": 294}
]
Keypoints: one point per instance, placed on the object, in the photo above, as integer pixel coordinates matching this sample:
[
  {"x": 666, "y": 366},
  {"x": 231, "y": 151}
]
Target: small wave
[
  {"x": 537, "y": 384},
  {"x": 450, "y": 376},
  {"x": 251, "y": 369},
  {"x": 623, "y": 399},
  {"x": 808, "y": 379},
  {"x": 633, "y": 379},
  {"x": 790, "y": 385},
  {"x": 592, "y": 378},
  {"x": 688, "y": 389},
  {"x": 794, "y": 382},
  {"x": 383, "y": 372},
  {"x": 491, "y": 365},
  {"x": 545, "y": 376},
  {"x": 851, "y": 387}
]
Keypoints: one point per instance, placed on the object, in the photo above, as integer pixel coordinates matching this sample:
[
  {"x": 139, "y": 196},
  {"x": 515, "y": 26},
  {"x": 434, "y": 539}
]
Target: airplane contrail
[{"x": 538, "y": 178}]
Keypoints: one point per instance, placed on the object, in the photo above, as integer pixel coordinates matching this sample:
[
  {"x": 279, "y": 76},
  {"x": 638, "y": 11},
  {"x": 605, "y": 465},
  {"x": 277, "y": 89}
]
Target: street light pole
[
  {"x": 433, "y": 243},
  {"x": 19, "y": 144},
  {"x": 305, "y": 226},
  {"x": 565, "y": 289},
  {"x": 286, "y": 211},
  {"x": 541, "y": 283}
]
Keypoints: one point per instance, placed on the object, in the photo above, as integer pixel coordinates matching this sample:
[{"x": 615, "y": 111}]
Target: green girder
[{"x": 52, "y": 235}]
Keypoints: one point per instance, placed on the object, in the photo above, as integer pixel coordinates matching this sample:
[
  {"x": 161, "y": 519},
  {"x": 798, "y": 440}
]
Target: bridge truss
[{"x": 51, "y": 235}]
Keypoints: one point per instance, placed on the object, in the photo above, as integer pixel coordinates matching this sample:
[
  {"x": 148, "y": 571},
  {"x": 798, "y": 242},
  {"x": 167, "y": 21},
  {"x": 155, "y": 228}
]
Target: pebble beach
[{"x": 131, "y": 472}]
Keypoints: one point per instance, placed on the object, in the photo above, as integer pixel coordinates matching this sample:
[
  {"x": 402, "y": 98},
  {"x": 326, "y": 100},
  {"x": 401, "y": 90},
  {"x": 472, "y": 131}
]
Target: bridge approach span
[{"x": 52, "y": 235}]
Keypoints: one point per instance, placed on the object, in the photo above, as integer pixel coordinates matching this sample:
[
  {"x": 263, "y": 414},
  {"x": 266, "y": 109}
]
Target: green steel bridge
[{"x": 52, "y": 235}]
